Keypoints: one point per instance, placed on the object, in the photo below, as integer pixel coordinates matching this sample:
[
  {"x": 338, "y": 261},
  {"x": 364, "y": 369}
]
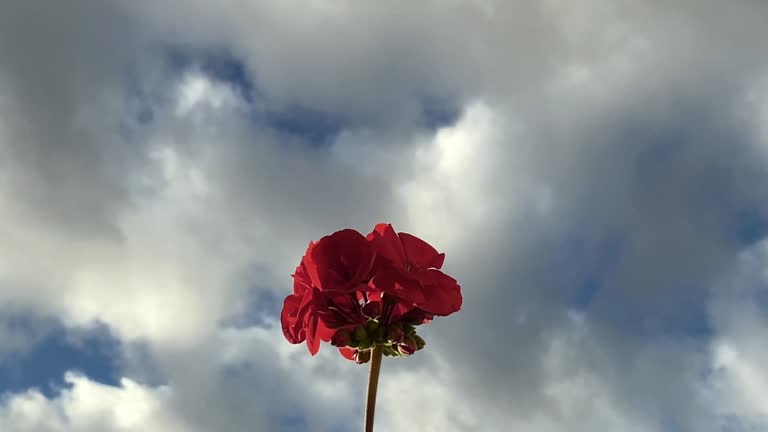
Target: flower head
[
  {"x": 357, "y": 292},
  {"x": 325, "y": 286}
]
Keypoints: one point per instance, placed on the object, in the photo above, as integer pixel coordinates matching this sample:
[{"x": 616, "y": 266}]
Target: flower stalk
[
  {"x": 366, "y": 295},
  {"x": 373, "y": 384}
]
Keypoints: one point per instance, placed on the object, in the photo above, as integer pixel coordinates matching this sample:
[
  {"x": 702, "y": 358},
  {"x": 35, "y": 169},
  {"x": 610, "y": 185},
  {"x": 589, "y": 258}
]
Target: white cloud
[
  {"x": 89, "y": 406},
  {"x": 450, "y": 180},
  {"x": 151, "y": 260},
  {"x": 736, "y": 386},
  {"x": 578, "y": 396},
  {"x": 741, "y": 384}
]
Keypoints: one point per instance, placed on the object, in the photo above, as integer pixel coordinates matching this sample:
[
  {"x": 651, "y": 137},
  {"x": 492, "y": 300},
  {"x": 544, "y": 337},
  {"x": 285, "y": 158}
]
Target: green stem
[{"x": 373, "y": 384}]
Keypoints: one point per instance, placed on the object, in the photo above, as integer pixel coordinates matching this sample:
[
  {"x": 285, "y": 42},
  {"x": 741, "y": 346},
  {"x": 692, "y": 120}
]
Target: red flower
[
  {"x": 357, "y": 292},
  {"x": 408, "y": 269},
  {"x": 325, "y": 287}
]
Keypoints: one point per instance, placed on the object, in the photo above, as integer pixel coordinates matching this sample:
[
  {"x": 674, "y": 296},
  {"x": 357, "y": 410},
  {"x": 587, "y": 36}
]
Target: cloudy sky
[{"x": 596, "y": 172}]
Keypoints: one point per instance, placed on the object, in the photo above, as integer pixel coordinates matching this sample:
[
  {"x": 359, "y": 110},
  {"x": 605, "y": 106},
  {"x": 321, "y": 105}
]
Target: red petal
[
  {"x": 442, "y": 294},
  {"x": 316, "y": 332},
  {"x": 398, "y": 311},
  {"x": 348, "y": 353},
  {"x": 297, "y": 319},
  {"x": 324, "y": 333},
  {"x": 288, "y": 318},
  {"x": 301, "y": 280},
  {"x": 313, "y": 343},
  {"x": 420, "y": 254},
  {"x": 310, "y": 266},
  {"x": 374, "y": 294},
  {"x": 340, "y": 261},
  {"x": 399, "y": 285},
  {"x": 387, "y": 244}
]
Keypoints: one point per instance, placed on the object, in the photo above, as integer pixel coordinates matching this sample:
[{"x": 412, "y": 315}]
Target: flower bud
[
  {"x": 389, "y": 351},
  {"x": 360, "y": 338},
  {"x": 341, "y": 338},
  {"x": 395, "y": 333},
  {"x": 419, "y": 342},
  {"x": 360, "y": 334},
  {"x": 372, "y": 309},
  {"x": 362, "y": 356},
  {"x": 417, "y": 317},
  {"x": 408, "y": 347},
  {"x": 371, "y": 326},
  {"x": 405, "y": 350},
  {"x": 410, "y": 330}
]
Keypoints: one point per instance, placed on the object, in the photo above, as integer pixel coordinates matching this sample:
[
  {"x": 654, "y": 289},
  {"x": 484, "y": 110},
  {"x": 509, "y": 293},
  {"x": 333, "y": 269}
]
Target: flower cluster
[{"x": 357, "y": 292}]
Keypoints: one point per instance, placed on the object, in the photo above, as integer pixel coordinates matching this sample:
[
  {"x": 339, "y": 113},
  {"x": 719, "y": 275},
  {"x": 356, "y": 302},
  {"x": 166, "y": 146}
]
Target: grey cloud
[{"x": 61, "y": 80}]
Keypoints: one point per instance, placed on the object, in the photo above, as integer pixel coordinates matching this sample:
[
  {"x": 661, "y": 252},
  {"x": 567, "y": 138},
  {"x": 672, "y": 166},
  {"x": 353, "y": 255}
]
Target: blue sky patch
[
  {"x": 586, "y": 263},
  {"x": 437, "y": 113},
  {"x": 262, "y": 307},
  {"x": 293, "y": 422},
  {"x": 311, "y": 125},
  {"x": 749, "y": 227},
  {"x": 219, "y": 65},
  {"x": 92, "y": 352},
  {"x": 608, "y": 255}
]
